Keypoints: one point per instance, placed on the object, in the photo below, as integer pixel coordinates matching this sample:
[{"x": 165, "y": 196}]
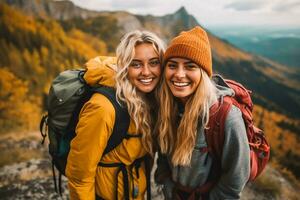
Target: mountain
[
  {"x": 60, "y": 10},
  {"x": 273, "y": 84},
  {"x": 110, "y": 26},
  {"x": 280, "y": 83}
]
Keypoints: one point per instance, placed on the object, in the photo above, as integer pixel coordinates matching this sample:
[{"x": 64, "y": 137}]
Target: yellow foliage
[
  {"x": 281, "y": 140},
  {"x": 16, "y": 109},
  {"x": 86, "y": 44},
  {"x": 14, "y": 19}
]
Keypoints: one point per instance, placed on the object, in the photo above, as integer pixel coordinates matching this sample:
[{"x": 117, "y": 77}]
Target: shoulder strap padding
[
  {"x": 214, "y": 133},
  {"x": 122, "y": 118}
]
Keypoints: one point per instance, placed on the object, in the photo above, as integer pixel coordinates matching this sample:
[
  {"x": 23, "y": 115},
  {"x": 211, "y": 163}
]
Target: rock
[
  {"x": 29, "y": 180},
  {"x": 32, "y": 179}
]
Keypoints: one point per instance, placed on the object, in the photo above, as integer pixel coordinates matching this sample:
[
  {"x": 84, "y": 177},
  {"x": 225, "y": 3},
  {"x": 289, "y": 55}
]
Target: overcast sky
[{"x": 211, "y": 12}]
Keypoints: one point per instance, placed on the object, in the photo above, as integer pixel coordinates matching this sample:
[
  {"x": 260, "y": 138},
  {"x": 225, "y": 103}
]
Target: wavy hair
[
  {"x": 179, "y": 140},
  {"x": 139, "y": 106}
]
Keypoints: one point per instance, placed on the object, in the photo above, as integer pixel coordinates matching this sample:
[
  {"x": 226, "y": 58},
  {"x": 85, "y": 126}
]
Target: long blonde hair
[
  {"x": 138, "y": 106},
  {"x": 179, "y": 140}
]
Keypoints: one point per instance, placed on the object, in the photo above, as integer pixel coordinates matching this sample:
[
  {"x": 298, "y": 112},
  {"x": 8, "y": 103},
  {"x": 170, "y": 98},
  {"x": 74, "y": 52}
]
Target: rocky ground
[{"x": 32, "y": 178}]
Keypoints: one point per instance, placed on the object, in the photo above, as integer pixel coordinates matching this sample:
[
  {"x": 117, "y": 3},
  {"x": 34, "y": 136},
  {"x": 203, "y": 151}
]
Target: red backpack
[{"x": 259, "y": 147}]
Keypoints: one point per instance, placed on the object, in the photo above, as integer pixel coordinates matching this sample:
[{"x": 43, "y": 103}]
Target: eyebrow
[
  {"x": 137, "y": 60},
  {"x": 187, "y": 62}
]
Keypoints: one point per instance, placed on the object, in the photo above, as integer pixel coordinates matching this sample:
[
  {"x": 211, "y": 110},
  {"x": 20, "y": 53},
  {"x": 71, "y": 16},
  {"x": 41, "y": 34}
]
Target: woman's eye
[
  {"x": 171, "y": 66},
  {"x": 135, "y": 64},
  {"x": 192, "y": 66},
  {"x": 154, "y": 63}
]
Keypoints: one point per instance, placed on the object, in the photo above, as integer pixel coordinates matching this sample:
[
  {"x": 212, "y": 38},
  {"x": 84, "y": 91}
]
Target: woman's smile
[{"x": 180, "y": 84}]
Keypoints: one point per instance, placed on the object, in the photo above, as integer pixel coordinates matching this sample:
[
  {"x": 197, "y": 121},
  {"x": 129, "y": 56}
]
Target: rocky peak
[{"x": 182, "y": 11}]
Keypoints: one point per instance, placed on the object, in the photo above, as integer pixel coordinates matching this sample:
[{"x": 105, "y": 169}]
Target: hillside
[
  {"x": 281, "y": 44},
  {"x": 33, "y": 52},
  {"x": 35, "y": 47},
  {"x": 285, "y": 50}
]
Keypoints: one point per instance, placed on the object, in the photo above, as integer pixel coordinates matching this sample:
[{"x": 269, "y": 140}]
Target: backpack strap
[
  {"x": 44, "y": 128},
  {"x": 148, "y": 176},
  {"x": 121, "y": 125},
  {"x": 122, "y": 121},
  {"x": 214, "y": 133},
  {"x": 122, "y": 169},
  {"x": 122, "y": 118},
  {"x": 215, "y": 136}
]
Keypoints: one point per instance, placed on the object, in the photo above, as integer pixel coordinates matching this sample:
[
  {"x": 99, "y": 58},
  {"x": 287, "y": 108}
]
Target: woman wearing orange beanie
[{"x": 186, "y": 169}]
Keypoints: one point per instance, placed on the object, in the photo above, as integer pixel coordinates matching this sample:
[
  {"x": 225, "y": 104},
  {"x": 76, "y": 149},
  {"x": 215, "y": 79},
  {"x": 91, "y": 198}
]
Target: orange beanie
[{"x": 193, "y": 45}]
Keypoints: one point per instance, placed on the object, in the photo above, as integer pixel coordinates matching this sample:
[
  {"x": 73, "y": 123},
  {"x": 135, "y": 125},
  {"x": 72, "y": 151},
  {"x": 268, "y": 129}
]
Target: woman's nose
[
  {"x": 180, "y": 72},
  {"x": 145, "y": 69}
]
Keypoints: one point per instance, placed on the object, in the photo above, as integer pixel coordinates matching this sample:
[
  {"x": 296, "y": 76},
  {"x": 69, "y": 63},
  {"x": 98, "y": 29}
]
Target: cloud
[
  {"x": 154, "y": 7},
  {"x": 132, "y": 4},
  {"x": 264, "y": 5},
  {"x": 246, "y": 5},
  {"x": 284, "y": 6},
  {"x": 144, "y": 7}
]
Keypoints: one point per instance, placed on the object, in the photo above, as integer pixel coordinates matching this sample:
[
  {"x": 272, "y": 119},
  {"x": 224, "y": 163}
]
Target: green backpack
[{"x": 68, "y": 93}]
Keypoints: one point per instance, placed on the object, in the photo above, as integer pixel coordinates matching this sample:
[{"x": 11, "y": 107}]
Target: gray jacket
[{"x": 235, "y": 160}]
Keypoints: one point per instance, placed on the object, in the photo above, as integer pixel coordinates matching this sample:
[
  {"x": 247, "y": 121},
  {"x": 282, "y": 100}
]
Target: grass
[
  {"x": 268, "y": 184},
  {"x": 277, "y": 183}
]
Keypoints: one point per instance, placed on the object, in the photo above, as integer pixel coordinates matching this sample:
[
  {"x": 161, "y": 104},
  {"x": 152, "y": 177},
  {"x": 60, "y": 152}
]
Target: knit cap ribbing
[{"x": 193, "y": 45}]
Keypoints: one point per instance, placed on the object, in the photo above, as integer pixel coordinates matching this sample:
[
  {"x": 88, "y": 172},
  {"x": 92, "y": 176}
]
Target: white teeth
[
  {"x": 147, "y": 80},
  {"x": 179, "y": 84}
]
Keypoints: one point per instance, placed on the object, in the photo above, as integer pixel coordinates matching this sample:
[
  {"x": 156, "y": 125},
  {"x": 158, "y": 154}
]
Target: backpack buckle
[{"x": 80, "y": 76}]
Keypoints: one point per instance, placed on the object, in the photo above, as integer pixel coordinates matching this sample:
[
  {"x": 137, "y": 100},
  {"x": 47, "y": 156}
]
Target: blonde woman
[
  {"x": 186, "y": 169},
  {"x": 119, "y": 173}
]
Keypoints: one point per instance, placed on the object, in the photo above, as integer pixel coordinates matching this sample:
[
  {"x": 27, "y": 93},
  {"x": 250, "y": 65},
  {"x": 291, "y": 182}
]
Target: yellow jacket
[{"x": 96, "y": 122}]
